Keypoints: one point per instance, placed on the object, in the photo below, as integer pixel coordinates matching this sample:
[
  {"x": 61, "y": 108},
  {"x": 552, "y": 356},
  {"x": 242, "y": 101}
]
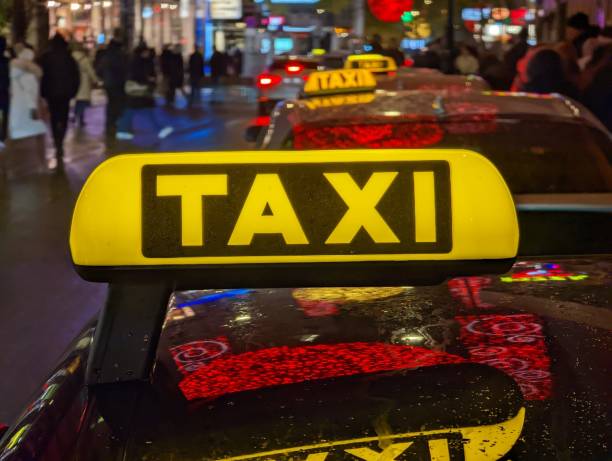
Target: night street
[
  {"x": 280, "y": 230},
  {"x": 46, "y": 303}
]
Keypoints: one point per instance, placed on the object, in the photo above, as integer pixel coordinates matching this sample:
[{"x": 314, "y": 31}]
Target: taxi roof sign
[
  {"x": 319, "y": 218},
  {"x": 376, "y": 63},
  {"x": 330, "y": 82}
]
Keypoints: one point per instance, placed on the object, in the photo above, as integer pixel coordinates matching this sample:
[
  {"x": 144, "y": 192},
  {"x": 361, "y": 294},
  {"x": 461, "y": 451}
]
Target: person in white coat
[
  {"x": 24, "y": 117},
  {"x": 88, "y": 81}
]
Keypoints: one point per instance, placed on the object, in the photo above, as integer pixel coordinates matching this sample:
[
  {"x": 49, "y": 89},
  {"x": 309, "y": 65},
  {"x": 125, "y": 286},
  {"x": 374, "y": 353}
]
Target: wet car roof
[
  {"x": 246, "y": 372},
  {"x": 333, "y": 373},
  {"x": 436, "y": 104}
]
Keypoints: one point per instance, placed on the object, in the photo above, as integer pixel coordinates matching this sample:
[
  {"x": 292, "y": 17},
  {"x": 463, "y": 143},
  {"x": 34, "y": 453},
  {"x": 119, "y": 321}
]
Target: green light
[{"x": 407, "y": 16}]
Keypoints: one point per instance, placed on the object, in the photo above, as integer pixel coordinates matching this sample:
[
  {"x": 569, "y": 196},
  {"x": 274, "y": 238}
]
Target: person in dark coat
[
  {"x": 515, "y": 54},
  {"x": 4, "y": 91},
  {"x": 394, "y": 51},
  {"x": 545, "y": 74},
  {"x": 196, "y": 73},
  {"x": 598, "y": 92},
  {"x": 578, "y": 31},
  {"x": 218, "y": 66},
  {"x": 140, "y": 89},
  {"x": 112, "y": 67},
  {"x": 173, "y": 70},
  {"x": 60, "y": 83}
]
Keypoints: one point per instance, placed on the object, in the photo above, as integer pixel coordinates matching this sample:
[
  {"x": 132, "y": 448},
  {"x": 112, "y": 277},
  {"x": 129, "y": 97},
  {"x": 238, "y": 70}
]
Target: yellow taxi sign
[
  {"x": 376, "y": 63},
  {"x": 479, "y": 443},
  {"x": 331, "y": 209},
  {"x": 339, "y": 81}
]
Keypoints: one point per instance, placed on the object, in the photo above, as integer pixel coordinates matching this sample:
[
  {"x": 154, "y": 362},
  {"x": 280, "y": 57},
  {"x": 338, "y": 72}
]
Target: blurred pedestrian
[
  {"x": 578, "y": 31},
  {"x": 545, "y": 74},
  {"x": 89, "y": 79},
  {"x": 60, "y": 83},
  {"x": 516, "y": 53},
  {"x": 394, "y": 52},
  {"x": 375, "y": 45},
  {"x": 112, "y": 70},
  {"x": 218, "y": 66},
  {"x": 173, "y": 70},
  {"x": 237, "y": 59},
  {"x": 597, "y": 76},
  {"x": 25, "y": 118},
  {"x": 4, "y": 91},
  {"x": 467, "y": 60},
  {"x": 196, "y": 73},
  {"x": 140, "y": 88},
  {"x": 494, "y": 72}
]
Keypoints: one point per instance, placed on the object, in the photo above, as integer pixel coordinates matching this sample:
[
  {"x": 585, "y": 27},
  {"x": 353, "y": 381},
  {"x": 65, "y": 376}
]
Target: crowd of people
[
  {"x": 34, "y": 91},
  {"x": 579, "y": 67}
]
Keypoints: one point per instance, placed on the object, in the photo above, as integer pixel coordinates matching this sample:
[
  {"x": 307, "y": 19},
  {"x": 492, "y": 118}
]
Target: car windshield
[{"x": 552, "y": 157}]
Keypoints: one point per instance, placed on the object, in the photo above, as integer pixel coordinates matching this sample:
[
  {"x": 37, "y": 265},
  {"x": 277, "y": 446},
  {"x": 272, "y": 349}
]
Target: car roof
[
  {"x": 441, "y": 103},
  {"x": 245, "y": 371}
]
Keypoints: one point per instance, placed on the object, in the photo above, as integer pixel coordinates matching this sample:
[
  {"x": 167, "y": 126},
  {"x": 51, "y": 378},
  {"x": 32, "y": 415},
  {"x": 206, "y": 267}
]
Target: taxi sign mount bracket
[{"x": 127, "y": 333}]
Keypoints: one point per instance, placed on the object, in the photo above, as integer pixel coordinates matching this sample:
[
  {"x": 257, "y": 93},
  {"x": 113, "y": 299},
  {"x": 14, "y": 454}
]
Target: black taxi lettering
[
  {"x": 340, "y": 80},
  {"x": 305, "y": 209}
]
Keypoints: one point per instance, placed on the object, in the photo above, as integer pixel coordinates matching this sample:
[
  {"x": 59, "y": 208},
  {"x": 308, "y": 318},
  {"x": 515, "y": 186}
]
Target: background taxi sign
[
  {"x": 372, "y": 62},
  {"x": 339, "y": 81},
  {"x": 354, "y": 216}
]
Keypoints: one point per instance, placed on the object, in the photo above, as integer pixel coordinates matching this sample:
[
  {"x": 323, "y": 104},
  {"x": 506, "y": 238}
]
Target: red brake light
[
  {"x": 408, "y": 62},
  {"x": 268, "y": 80},
  {"x": 294, "y": 68}
]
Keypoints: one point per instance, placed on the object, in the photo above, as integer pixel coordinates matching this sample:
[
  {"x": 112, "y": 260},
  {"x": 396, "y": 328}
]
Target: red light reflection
[
  {"x": 384, "y": 135},
  {"x": 513, "y": 344},
  {"x": 467, "y": 290},
  {"x": 276, "y": 366},
  {"x": 193, "y": 355}
]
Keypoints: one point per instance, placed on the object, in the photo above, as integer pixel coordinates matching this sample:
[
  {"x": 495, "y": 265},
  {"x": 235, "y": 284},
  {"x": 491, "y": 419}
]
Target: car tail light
[
  {"x": 268, "y": 80},
  {"x": 294, "y": 68},
  {"x": 392, "y": 74},
  {"x": 408, "y": 62}
]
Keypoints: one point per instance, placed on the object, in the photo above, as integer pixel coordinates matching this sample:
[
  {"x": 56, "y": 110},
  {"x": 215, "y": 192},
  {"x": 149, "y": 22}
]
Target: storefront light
[
  {"x": 107, "y": 4},
  {"x": 87, "y": 6},
  {"x": 75, "y": 6},
  {"x": 53, "y": 4}
]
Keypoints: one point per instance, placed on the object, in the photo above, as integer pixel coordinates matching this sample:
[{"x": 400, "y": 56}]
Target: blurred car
[
  {"x": 284, "y": 79},
  {"x": 553, "y": 153}
]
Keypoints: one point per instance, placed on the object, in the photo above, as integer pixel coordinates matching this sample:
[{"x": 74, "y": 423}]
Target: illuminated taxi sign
[
  {"x": 480, "y": 443},
  {"x": 372, "y": 62},
  {"x": 339, "y": 81},
  {"x": 293, "y": 208}
]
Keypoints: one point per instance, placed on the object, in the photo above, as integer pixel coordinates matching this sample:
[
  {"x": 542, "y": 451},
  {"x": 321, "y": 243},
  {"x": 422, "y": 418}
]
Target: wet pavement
[{"x": 44, "y": 303}]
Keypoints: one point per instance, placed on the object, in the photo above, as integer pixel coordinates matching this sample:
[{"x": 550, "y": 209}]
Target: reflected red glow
[
  {"x": 384, "y": 135},
  {"x": 512, "y": 343},
  {"x": 285, "y": 365},
  {"x": 471, "y": 118},
  {"x": 318, "y": 308},
  {"x": 193, "y": 355},
  {"x": 467, "y": 290}
]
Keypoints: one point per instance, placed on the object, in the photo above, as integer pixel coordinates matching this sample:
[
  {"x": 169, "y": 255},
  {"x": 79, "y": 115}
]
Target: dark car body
[
  {"x": 554, "y": 155},
  {"x": 346, "y": 373}
]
